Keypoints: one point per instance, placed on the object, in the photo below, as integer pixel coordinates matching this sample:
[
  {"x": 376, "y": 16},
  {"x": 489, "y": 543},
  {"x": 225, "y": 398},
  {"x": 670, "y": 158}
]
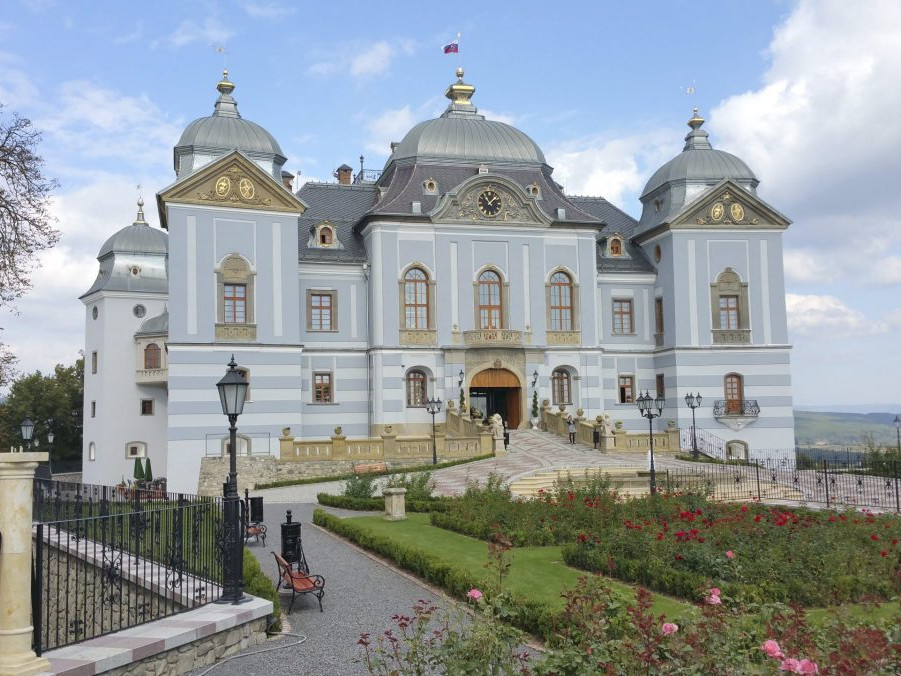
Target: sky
[{"x": 806, "y": 92}]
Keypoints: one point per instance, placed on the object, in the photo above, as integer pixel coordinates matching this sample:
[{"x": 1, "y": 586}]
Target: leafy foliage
[
  {"x": 360, "y": 486},
  {"x": 257, "y": 583},
  {"x": 419, "y": 485}
]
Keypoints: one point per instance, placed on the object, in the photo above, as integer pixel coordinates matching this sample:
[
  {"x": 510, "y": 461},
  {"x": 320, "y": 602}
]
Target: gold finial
[
  {"x": 224, "y": 86},
  {"x": 460, "y": 74},
  {"x": 696, "y": 120},
  {"x": 459, "y": 93}
]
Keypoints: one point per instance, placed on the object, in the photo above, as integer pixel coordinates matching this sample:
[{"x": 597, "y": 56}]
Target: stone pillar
[
  {"x": 339, "y": 444},
  {"x": 286, "y": 444},
  {"x": 16, "y": 494},
  {"x": 395, "y": 505},
  {"x": 389, "y": 443}
]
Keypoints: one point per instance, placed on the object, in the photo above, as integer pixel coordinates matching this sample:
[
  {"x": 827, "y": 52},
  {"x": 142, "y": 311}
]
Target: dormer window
[
  {"x": 325, "y": 236},
  {"x": 616, "y": 247},
  {"x": 533, "y": 190},
  {"x": 430, "y": 187}
]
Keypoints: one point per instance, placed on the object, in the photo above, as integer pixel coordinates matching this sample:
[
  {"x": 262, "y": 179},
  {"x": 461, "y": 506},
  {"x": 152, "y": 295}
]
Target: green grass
[{"x": 537, "y": 572}]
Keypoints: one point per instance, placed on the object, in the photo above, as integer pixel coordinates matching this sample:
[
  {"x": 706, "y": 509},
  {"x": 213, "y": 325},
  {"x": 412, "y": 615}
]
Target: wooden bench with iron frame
[{"x": 299, "y": 582}]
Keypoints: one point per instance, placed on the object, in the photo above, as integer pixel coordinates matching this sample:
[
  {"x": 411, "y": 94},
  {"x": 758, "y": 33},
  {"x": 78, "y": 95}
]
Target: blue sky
[{"x": 805, "y": 92}]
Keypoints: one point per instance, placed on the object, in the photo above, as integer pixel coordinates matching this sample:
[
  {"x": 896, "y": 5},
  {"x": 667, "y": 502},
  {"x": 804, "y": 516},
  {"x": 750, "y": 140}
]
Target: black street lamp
[
  {"x": 693, "y": 401},
  {"x": 646, "y": 405},
  {"x": 433, "y": 406},
  {"x": 27, "y": 430},
  {"x": 460, "y": 377},
  {"x": 897, "y": 422},
  {"x": 50, "y": 438},
  {"x": 534, "y": 379},
  {"x": 232, "y": 394}
]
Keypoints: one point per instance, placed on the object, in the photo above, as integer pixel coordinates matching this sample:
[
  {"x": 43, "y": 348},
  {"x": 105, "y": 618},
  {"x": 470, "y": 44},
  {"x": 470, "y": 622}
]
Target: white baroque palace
[{"x": 461, "y": 265}]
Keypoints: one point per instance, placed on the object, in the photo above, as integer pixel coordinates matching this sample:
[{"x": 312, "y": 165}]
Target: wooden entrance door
[{"x": 502, "y": 391}]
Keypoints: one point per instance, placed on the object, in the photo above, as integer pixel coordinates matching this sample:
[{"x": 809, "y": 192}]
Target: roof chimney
[
  {"x": 288, "y": 180},
  {"x": 344, "y": 174}
]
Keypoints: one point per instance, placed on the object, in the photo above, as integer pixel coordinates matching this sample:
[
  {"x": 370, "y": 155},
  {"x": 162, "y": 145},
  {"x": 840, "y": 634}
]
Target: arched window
[
  {"x": 734, "y": 391},
  {"x": 325, "y": 236},
  {"x": 416, "y": 388},
  {"x": 729, "y": 305},
  {"x": 416, "y": 299},
  {"x": 152, "y": 358},
  {"x": 490, "y": 310},
  {"x": 560, "y": 387},
  {"x": 561, "y": 302},
  {"x": 616, "y": 247}
]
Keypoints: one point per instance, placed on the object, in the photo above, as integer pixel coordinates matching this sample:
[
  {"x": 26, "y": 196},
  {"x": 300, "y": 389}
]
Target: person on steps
[{"x": 572, "y": 430}]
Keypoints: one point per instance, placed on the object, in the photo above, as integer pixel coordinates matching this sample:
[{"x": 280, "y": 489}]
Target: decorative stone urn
[
  {"x": 338, "y": 431},
  {"x": 562, "y": 407},
  {"x": 580, "y": 413},
  {"x": 451, "y": 405},
  {"x": 619, "y": 424}
]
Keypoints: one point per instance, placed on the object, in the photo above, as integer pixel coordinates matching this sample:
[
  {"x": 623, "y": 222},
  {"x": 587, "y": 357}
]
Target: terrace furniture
[
  {"x": 298, "y": 582},
  {"x": 369, "y": 468}
]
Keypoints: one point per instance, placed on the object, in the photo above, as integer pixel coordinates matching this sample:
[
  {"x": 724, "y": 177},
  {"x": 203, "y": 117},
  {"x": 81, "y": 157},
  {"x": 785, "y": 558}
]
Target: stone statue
[
  {"x": 497, "y": 426},
  {"x": 608, "y": 426}
]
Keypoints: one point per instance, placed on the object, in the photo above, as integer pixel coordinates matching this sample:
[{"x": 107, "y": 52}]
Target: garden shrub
[
  {"x": 360, "y": 486},
  {"x": 378, "y": 504},
  {"x": 420, "y": 485}
]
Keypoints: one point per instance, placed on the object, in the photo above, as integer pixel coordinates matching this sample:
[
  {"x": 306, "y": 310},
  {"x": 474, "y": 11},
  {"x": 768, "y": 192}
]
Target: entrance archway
[{"x": 497, "y": 391}]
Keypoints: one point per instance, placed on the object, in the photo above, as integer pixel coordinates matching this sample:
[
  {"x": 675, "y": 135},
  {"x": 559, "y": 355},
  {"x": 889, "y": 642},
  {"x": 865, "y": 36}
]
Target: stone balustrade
[{"x": 492, "y": 337}]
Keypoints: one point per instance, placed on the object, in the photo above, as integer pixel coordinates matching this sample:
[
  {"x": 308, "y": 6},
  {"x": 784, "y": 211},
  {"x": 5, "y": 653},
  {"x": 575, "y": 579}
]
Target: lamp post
[
  {"x": 693, "y": 401},
  {"x": 27, "y": 427},
  {"x": 50, "y": 438},
  {"x": 232, "y": 393},
  {"x": 460, "y": 377},
  {"x": 534, "y": 379},
  {"x": 897, "y": 422},
  {"x": 646, "y": 406},
  {"x": 433, "y": 406}
]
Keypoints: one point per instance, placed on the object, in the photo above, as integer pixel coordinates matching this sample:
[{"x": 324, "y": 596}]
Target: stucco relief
[
  {"x": 564, "y": 337},
  {"x": 417, "y": 337},
  {"x": 236, "y": 332},
  {"x": 234, "y": 186}
]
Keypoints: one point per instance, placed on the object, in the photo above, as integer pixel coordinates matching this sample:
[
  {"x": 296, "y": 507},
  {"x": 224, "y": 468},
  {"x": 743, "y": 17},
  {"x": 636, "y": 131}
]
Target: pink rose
[
  {"x": 669, "y": 628},
  {"x": 730, "y": 554},
  {"x": 791, "y": 665},
  {"x": 715, "y": 592},
  {"x": 713, "y": 600},
  {"x": 772, "y": 649},
  {"x": 474, "y": 594},
  {"x": 808, "y": 667}
]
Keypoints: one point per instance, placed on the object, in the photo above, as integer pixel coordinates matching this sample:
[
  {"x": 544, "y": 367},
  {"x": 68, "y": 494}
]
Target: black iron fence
[
  {"x": 106, "y": 560},
  {"x": 875, "y": 485}
]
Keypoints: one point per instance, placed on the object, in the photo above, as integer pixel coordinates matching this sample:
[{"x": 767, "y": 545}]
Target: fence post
[
  {"x": 757, "y": 476},
  {"x": 17, "y": 654},
  {"x": 826, "y": 481},
  {"x": 897, "y": 497},
  {"x": 37, "y": 589}
]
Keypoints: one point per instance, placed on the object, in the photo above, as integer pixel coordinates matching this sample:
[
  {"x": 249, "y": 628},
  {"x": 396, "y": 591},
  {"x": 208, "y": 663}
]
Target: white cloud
[
  {"x": 392, "y": 125},
  {"x": 133, "y": 36},
  {"x": 373, "y": 61},
  {"x": 210, "y": 31},
  {"x": 829, "y": 316},
  {"x": 268, "y": 10},
  {"x": 886, "y": 271},
  {"x": 609, "y": 166},
  {"x": 497, "y": 117},
  {"x": 362, "y": 61},
  {"x": 16, "y": 89}
]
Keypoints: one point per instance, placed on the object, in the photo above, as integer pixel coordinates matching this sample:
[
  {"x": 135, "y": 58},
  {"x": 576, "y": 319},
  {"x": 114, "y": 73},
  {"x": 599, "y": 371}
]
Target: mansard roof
[{"x": 342, "y": 206}]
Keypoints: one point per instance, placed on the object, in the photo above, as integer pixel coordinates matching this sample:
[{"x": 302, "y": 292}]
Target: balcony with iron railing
[{"x": 736, "y": 413}]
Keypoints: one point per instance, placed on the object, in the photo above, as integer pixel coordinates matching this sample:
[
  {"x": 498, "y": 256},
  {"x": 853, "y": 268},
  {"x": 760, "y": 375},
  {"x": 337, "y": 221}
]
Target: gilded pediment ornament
[{"x": 233, "y": 186}]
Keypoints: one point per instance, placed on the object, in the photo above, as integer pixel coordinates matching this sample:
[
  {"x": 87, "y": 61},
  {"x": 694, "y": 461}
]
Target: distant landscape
[{"x": 844, "y": 429}]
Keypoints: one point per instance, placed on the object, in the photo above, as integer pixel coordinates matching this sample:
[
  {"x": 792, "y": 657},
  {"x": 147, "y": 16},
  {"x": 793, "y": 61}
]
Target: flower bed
[{"x": 682, "y": 544}]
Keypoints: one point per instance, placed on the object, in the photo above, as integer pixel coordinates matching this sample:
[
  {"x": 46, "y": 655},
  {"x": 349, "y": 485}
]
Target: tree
[
  {"x": 55, "y": 404},
  {"x": 26, "y": 224}
]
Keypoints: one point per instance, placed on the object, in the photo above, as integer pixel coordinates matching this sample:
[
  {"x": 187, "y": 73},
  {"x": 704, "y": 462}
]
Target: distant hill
[{"x": 843, "y": 429}]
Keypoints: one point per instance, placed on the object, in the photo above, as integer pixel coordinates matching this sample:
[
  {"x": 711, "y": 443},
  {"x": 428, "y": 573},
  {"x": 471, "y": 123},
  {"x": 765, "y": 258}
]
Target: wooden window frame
[
  {"x": 238, "y": 308},
  {"x": 153, "y": 357},
  {"x": 489, "y": 285},
  {"x": 420, "y": 292},
  {"x": 324, "y": 391},
  {"x": 625, "y": 396},
  {"x": 322, "y": 311},
  {"x": 623, "y": 309},
  {"x": 733, "y": 383},
  {"x": 658, "y": 316},
  {"x": 660, "y": 385},
  {"x": 326, "y": 236},
  {"x": 562, "y": 302},
  {"x": 561, "y": 386},
  {"x": 333, "y": 313},
  {"x": 730, "y": 312},
  {"x": 148, "y": 407},
  {"x": 616, "y": 247},
  {"x": 416, "y": 380}
]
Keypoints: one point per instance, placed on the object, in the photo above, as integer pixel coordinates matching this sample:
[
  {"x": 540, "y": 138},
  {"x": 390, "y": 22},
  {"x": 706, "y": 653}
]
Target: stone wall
[
  {"x": 199, "y": 653},
  {"x": 252, "y": 470},
  {"x": 74, "y": 477}
]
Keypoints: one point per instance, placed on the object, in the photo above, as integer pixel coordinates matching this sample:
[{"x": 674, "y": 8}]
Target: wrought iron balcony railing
[
  {"x": 747, "y": 408},
  {"x": 367, "y": 176}
]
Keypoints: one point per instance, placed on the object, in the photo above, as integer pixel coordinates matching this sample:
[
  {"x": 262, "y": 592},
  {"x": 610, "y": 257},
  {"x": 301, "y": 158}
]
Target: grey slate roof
[
  {"x": 616, "y": 219},
  {"x": 467, "y": 137},
  {"x": 154, "y": 325},
  {"x": 136, "y": 239},
  {"x": 342, "y": 206}
]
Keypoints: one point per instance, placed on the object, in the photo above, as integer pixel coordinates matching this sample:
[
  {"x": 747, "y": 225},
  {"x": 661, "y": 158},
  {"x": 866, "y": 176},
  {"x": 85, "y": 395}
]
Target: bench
[
  {"x": 255, "y": 530},
  {"x": 364, "y": 468},
  {"x": 298, "y": 582}
]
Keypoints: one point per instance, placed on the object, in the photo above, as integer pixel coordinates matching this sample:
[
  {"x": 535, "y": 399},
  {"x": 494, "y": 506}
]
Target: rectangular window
[
  {"x": 622, "y": 317},
  {"x": 658, "y": 314},
  {"x": 321, "y": 312},
  {"x": 626, "y": 389},
  {"x": 94, "y": 362},
  {"x": 322, "y": 388},
  {"x": 661, "y": 388},
  {"x": 93, "y": 409},
  {"x": 729, "y": 313},
  {"x": 234, "y": 297},
  {"x": 146, "y": 406}
]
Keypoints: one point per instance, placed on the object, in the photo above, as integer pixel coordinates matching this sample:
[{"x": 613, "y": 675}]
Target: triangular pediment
[
  {"x": 233, "y": 181},
  {"x": 502, "y": 202},
  {"x": 729, "y": 206}
]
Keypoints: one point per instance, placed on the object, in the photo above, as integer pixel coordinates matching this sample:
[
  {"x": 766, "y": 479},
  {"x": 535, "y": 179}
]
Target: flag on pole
[{"x": 452, "y": 47}]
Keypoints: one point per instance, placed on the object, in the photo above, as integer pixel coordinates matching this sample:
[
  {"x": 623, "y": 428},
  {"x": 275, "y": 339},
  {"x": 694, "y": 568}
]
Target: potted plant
[{"x": 535, "y": 418}]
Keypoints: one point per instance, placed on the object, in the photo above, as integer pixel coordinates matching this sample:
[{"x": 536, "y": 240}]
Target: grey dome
[
  {"x": 699, "y": 162},
  {"x": 155, "y": 325},
  {"x": 462, "y": 134},
  {"x": 137, "y": 238},
  {"x": 468, "y": 138},
  {"x": 226, "y": 130}
]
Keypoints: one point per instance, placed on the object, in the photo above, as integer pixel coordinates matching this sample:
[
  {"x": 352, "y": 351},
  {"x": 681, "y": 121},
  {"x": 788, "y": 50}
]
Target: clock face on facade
[{"x": 489, "y": 203}]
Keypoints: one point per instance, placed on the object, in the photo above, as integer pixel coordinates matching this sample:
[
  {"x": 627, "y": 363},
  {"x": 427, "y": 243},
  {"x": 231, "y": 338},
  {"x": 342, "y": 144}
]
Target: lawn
[{"x": 537, "y": 572}]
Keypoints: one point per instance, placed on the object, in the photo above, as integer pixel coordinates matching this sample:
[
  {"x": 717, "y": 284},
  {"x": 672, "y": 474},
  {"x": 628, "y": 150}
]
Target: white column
[{"x": 16, "y": 630}]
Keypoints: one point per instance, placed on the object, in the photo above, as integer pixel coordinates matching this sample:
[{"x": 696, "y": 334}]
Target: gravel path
[{"x": 361, "y": 595}]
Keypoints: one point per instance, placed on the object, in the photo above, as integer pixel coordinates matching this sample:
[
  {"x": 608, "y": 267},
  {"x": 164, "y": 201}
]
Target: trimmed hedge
[
  {"x": 378, "y": 504},
  {"x": 529, "y": 615},
  {"x": 256, "y": 583},
  {"x": 397, "y": 470}
]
